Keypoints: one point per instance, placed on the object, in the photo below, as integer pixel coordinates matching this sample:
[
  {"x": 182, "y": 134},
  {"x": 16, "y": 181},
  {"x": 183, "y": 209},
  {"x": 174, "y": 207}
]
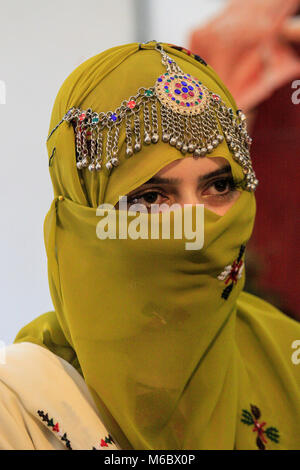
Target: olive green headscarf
[{"x": 171, "y": 362}]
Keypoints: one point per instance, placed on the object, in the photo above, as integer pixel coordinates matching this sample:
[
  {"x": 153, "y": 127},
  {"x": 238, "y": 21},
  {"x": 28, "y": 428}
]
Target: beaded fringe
[{"x": 197, "y": 134}]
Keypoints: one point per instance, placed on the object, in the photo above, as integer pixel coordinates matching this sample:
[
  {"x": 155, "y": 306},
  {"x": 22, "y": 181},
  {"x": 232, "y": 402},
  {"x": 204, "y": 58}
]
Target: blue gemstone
[
  {"x": 184, "y": 76},
  {"x": 113, "y": 117},
  {"x": 172, "y": 78},
  {"x": 188, "y": 74},
  {"x": 177, "y": 91},
  {"x": 185, "y": 89},
  {"x": 188, "y": 104},
  {"x": 159, "y": 79},
  {"x": 173, "y": 99},
  {"x": 190, "y": 87},
  {"x": 184, "y": 83},
  {"x": 170, "y": 61},
  {"x": 166, "y": 87},
  {"x": 197, "y": 85}
]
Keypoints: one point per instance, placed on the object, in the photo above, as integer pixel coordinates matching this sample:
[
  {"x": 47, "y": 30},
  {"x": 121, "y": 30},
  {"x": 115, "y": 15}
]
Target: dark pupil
[
  {"x": 150, "y": 197},
  {"x": 221, "y": 185}
]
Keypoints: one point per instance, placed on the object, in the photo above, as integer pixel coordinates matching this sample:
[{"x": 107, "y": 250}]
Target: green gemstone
[
  {"x": 176, "y": 76},
  {"x": 196, "y": 102},
  {"x": 169, "y": 80},
  {"x": 177, "y": 101},
  {"x": 148, "y": 92}
]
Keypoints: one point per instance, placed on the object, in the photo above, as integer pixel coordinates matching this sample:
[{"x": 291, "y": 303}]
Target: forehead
[{"x": 190, "y": 166}]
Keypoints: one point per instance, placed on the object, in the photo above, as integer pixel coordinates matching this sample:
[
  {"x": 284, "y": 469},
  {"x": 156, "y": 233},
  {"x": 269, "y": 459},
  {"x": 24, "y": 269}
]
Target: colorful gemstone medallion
[{"x": 193, "y": 95}]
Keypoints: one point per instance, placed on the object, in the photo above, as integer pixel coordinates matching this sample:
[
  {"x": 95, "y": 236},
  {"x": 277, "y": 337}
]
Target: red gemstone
[
  {"x": 182, "y": 103},
  {"x": 178, "y": 85},
  {"x": 103, "y": 443},
  {"x": 169, "y": 94},
  {"x": 82, "y": 116},
  {"x": 191, "y": 93},
  {"x": 131, "y": 104},
  {"x": 184, "y": 96}
]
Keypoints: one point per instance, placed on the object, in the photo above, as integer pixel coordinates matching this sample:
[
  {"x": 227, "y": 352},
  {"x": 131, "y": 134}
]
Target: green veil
[{"x": 171, "y": 362}]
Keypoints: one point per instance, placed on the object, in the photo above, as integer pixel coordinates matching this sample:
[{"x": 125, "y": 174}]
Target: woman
[{"x": 152, "y": 345}]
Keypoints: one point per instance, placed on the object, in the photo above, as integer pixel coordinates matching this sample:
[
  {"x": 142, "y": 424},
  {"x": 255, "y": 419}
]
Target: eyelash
[{"x": 233, "y": 186}]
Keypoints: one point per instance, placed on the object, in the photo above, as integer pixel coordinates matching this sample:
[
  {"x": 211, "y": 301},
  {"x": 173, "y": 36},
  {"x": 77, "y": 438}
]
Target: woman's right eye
[{"x": 148, "y": 198}]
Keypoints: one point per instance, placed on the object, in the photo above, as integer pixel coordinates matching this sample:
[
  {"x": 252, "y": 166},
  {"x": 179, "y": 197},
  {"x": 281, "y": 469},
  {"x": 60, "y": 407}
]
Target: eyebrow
[{"x": 159, "y": 180}]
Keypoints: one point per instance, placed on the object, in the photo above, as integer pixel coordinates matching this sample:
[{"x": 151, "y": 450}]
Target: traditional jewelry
[{"x": 193, "y": 119}]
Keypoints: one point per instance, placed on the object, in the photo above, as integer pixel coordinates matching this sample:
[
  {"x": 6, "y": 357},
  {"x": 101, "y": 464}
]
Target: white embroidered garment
[{"x": 45, "y": 404}]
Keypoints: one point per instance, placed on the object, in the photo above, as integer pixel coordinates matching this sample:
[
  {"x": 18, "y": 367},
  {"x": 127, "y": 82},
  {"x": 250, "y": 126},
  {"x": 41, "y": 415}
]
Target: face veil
[{"x": 168, "y": 344}]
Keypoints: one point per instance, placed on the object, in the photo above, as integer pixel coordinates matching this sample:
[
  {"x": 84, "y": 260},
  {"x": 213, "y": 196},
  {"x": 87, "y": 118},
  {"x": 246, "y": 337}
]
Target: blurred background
[{"x": 254, "y": 45}]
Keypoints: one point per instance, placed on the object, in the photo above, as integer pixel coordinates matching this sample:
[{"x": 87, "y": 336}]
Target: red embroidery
[
  {"x": 103, "y": 443},
  {"x": 252, "y": 417},
  {"x": 56, "y": 428},
  {"x": 235, "y": 271},
  {"x": 258, "y": 427},
  {"x": 108, "y": 440}
]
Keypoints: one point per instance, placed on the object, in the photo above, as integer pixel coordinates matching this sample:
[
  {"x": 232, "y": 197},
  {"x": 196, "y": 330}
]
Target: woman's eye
[
  {"x": 224, "y": 185},
  {"x": 151, "y": 197},
  {"x": 221, "y": 185}
]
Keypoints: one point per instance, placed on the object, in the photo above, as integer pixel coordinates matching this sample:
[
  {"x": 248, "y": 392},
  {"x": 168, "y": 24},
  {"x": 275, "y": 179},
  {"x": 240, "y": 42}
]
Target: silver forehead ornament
[{"x": 194, "y": 119}]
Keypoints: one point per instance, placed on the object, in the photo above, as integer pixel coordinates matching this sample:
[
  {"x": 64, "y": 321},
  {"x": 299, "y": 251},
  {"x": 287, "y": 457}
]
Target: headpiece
[{"x": 193, "y": 119}]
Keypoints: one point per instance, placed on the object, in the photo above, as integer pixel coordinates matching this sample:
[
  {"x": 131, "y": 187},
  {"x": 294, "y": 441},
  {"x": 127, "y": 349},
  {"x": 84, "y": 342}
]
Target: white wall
[
  {"x": 41, "y": 42},
  {"x": 171, "y": 20}
]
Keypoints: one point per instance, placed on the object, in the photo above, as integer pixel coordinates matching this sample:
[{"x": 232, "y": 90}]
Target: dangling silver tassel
[
  {"x": 147, "y": 124},
  {"x": 99, "y": 145},
  {"x": 129, "y": 148},
  {"x": 115, "y": 160},
  {"x": 137, "y": 132},
  {"x": 165, "y": 124},
  {"x": 78, "y": 145},
  {"x": 155, "y": 135},
  {"x": 109, "y": 139}
]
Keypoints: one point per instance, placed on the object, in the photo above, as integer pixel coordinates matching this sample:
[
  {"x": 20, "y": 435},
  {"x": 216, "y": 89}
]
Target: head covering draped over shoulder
[{"x": 176, "y": 356}]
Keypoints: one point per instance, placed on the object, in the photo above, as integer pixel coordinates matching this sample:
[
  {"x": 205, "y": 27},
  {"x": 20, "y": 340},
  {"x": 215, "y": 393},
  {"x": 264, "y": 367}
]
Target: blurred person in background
[{"x": 255, "y": 47}]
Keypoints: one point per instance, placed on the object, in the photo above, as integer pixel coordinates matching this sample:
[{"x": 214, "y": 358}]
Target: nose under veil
[{"x": 162, "y": 336}]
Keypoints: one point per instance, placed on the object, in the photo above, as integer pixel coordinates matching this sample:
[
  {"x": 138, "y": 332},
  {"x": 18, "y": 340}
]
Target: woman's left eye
[{"x": 220, "y": 187}]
